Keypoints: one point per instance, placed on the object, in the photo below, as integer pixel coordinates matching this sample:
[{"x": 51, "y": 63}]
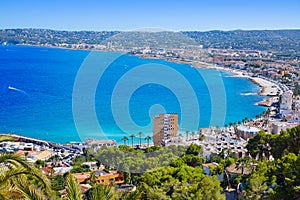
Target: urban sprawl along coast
[{"x": 275, "y": 70}]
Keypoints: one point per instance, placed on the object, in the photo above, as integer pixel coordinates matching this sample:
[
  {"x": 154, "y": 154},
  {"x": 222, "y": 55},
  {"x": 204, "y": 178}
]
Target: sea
[{"x": 64, "y": 95}]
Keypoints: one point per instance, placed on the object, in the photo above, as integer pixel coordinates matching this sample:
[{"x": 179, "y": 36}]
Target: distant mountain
[
  {"x": 275, "y": 40},
  {"x": 46, "y": 36},
  {"x": 161, "y": 39}
]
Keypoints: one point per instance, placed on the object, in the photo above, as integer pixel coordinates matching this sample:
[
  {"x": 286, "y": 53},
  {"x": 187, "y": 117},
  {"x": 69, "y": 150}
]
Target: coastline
[{"x": 267, "y": 88}]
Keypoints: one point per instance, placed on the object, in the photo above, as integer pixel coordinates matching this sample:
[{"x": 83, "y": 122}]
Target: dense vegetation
[
  {"x": 173, "y": 172},
  {"x": 46, "y": 36},
  {"x": 276, "y": 40},
  {"x": 277, "y": 178},
  {"x": 127, "y": 159}
]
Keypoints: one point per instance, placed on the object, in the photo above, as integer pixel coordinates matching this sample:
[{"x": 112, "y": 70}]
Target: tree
[
  {"x": 259, "y": 145},
  {"x": 125, "y": 139},
  {"x": 20, "y": 178},
  {"x": 148, "y": 138},
  {"x": 278, "y": 179},
  {"x": 72, "y": 188},
  {"x": 182, "y": 182},
  {"x": 293, "y": 140},
  {"x": 288, "y": 141},
  {"x": 87, "y": 154},
  {"x": 132, "y": 136},
  {"x": 287, "y": 172},
  {"x": 187, "y": 135},
  {"x": 58, "y": 182},
  {"x": 256, "y": 186},
  {"x": 195, "y": 150},
  {"x": 243, "y": 163},
  {"x": 39, "y": 163},
  {"x": 140, "y": 135},
  {"x": 93, "y": 179},
  {"x": 152, "y": 149},
  {"x": 5, "y": 138},
  {"x": 201, "y": 137},
  {"x": 101, "y": 192},
  {"x": 192, "y": 160},
  {"x": 193, "y": 135}
]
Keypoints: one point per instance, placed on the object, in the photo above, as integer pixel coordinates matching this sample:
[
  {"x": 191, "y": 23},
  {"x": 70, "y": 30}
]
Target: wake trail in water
[
  {"x": 49, "y": 93},
  {"x": 249, "y": 94},
  {"x": 18, "y": 90}
]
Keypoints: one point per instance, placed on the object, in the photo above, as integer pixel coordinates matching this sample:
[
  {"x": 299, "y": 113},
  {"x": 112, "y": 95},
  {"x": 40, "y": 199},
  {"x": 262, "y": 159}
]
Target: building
[
  {"x": 286, "y": 102},
  {"x": 98, "y": 144},
  {"x": 246, "y": 132},
  {"x": 104, "y": 177},
  {"x": 165, "y": 127},
  {"x": 277, "y": 127}
]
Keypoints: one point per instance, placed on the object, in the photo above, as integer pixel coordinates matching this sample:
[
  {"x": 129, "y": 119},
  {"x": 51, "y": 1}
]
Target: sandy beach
[{"x": 268, "y": 88}]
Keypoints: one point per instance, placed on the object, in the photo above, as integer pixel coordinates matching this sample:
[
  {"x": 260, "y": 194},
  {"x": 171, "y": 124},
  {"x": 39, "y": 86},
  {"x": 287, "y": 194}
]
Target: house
[
  {"x": 43, "y": 155},
  {"x": 98, "y": 144},
  {"x": 92, "y": 165},
  {"x": 208, "y": 166},
  {"x": 233, "y": 170},
  {"x": 102, "y": 177},
  {"x": 126, "y": 188}
]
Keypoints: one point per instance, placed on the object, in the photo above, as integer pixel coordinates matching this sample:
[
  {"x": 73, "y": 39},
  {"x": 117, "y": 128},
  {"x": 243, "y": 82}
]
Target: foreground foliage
[{"x": 21, "y": 180}]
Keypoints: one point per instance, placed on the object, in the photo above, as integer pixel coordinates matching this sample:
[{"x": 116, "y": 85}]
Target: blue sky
[{"x": 166, "y": 14}]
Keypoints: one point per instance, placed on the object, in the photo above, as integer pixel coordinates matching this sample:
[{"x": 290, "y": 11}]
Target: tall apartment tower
[{"x": 165, "y": 126}]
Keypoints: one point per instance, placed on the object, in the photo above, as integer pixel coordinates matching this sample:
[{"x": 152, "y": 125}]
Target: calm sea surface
[{"x": 37, "y": 94}]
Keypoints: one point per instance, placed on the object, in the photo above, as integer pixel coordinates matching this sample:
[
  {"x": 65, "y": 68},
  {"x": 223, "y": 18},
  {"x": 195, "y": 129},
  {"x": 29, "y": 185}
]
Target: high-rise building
[{"x": 165, "y": 126}]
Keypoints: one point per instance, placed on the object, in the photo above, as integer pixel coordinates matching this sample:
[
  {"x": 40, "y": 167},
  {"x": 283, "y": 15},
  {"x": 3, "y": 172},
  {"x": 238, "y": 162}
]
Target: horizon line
[{"x": 156, "y": 28}]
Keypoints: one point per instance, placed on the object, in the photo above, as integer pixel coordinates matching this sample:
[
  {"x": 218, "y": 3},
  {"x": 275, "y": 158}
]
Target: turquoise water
[{"x": 37, "y": 94}]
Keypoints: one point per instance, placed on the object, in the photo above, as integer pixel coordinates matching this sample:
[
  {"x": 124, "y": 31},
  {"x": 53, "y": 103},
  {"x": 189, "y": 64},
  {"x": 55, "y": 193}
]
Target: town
[{"x": 229, "y": 154}]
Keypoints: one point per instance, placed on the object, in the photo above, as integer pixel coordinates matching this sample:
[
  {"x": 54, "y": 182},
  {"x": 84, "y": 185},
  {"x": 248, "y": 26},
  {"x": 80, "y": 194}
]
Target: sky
[{"x": 164, "y": 14}]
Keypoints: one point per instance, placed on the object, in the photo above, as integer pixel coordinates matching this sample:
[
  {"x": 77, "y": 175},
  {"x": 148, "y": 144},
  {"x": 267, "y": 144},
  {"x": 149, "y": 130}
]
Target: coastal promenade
[{"x": 20, "y": 138}]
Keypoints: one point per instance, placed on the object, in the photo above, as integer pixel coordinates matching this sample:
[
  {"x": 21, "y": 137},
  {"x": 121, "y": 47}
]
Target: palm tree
[
  {"x": 72, "y": 188},
  {"x": 132, "y": 136},
  {"x": 101, "y": 192},
  {"x": 140, "y": 135},
  {"x": 22, "y": 179},
  {"x": 148, "y": 138},
  {"x": 242, "y": 163},
  {"x": 93, "y": 178},
  {"x": 28, "y": 190},
  {"x": 125, "y": 139},
  {"x": 187, "y": 135},
  {"x": 193, "y": 135}
]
